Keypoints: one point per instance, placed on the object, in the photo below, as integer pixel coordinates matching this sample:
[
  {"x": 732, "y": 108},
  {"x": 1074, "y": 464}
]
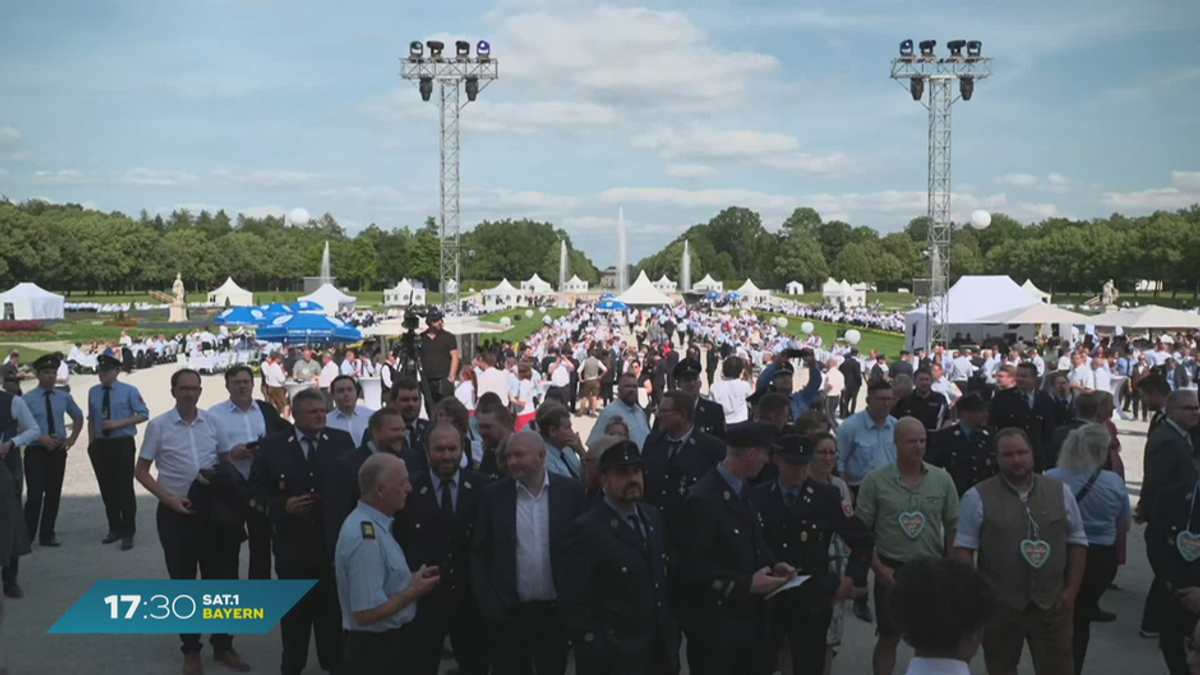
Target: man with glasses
[{"x": 709, "y": 416}]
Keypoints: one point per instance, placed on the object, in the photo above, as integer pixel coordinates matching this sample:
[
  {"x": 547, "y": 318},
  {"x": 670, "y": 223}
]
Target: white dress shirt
[
  {"x": 535, "y": 578},
  {"x": 731, "y": 394},
  {"x": 273, "y": 374},
  {"x": 27, "y": 426},
  {"x": 179, "y": 450},
  {"x": 328, "y": 374},
  {"x": 354, "y": 424},
  {"x": 495, "y": 381},
  {"x": 240, "y": 426}
]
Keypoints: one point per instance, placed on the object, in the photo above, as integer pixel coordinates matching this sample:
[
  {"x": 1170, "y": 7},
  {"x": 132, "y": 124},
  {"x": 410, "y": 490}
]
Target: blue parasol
[
  {"x": 607, "y": 296},
  {"x": 308, "y": 328},
  {"x": 274, "y": 309},
  {"x": 241, "y": 316},
  {"x": 734, "y": 295},
  {"x": 306, "y": 306},
  {"x": 612, "y": 306},
  {"x": 712, "y": 295}
]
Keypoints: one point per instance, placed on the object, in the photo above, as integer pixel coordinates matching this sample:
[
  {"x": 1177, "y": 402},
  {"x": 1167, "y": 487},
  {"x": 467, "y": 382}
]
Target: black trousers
[
  {"x": 1157, "y": 602},
  {"x": 383, "y": 652},
  {"x": 533, "y": 641},
  {"x": 804, "y": 626},
  {"x": 1099, "y": 572},
  {"x": 434, "y": 391},
  {"x": 606, "y": 392},
  {"x": 186, "y": 552},
  {"x": 318, "y": 612},
  {"x": 1177, "y": 626},
  {"x": 113, "y": 463},
  {"x": 708, "y": 656},
  {"x": 44, "y": 472},
  {"x": 652, "y": 660},
  {"x": 258, "y": 527},
  {"x": 464, "y": 626},
  {"x": 13, "y": 461},
  {"x": 849, "y": 402}
]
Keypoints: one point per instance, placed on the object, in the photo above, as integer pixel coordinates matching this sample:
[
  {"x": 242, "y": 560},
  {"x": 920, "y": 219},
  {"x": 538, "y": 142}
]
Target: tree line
[
  {"x": 1060, "y": 255},
  {"x": 66, "y": 247}
]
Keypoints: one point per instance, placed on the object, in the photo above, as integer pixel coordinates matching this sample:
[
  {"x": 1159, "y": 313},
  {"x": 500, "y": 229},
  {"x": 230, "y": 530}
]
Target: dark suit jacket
[
  {"x": 1058, "y": 438},
  {"x": 668, "y": 482},
  {"x": 343, "y": 493},
  {"x": 271, "y": 418},
  {"x": 1167, "y": 463},
  {"x": 280, "y": 471},
  {"x": 612, "y": 590},
  {"x": 494, "y": 548},
  {"x": 1009, "y": 409},
  {"x": 710, "y": 418},
  {"x": 852, "y": 371}
]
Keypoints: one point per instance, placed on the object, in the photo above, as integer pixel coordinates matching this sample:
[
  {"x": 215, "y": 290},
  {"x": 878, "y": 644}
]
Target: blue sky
[{"x": 671, "y": 110}]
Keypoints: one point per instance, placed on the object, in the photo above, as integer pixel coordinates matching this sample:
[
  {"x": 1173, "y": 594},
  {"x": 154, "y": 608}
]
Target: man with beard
[
  {"x": 613, "y": 588},
  {"x": 626, "y": 409},
  {"x": 387, "y": 436},
  {"x": 1026, "y": 408},
  {"x": 923, "y": 403},
  {"x": 439, "y": 360},
  {"x": 709, "y": 415},
  {"x": 677, "y": 455},
  {"x": 406, "y": 398}
]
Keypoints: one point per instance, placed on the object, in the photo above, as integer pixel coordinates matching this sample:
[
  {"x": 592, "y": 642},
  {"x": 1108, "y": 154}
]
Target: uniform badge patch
[{"x": 368, "y": 530}]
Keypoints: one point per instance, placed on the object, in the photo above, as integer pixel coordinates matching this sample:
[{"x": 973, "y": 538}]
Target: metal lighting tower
[
  {"x": 453, "y": 73},
  {"x": 937, "y": 74}
]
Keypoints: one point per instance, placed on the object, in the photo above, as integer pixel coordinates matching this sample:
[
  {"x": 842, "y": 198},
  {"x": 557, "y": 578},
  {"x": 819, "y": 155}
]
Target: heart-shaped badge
[
  {"x": 1188, "y": 544},
  {"x": 912, "y": 522},
  {"x": 1036, "y": 552}
]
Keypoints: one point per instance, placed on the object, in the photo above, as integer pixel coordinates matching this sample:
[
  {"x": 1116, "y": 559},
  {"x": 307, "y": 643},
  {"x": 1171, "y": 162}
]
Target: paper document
[{"x": 794, "y": 582}]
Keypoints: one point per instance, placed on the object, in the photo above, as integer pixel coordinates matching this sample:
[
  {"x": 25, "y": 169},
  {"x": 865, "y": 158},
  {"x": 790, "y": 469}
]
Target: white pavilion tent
[
  {"x": 1037, "y": 292},
  {"x": 576, "y": 285},
  {"x": 708, "y": 284},
  {"x": 537, "y": 286},
  {"x": 1149, "y": 316},
  {"x": 331, "y": 299},
  {"x": 665, "y": 285},
  {"x": 643, "y": 292},
  {"x": 841, "y": 292},
  {"x": 753, "y": 294},
  {"x": 986, "y": 306},
  {"x": 236, "y": 295},
  {"x": 794, "y": 288},
  {"x": 29, "y": 302},
  {"x": 403, "y": 294},
  {"x": 504, "y": 296}
]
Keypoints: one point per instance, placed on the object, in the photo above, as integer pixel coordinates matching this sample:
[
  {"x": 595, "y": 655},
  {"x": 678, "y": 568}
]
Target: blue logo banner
[{"x": 180, "y": 606}]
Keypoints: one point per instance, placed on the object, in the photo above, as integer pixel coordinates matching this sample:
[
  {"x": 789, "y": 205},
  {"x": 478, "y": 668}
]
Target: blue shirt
[
  {"x": 629, "y": 518},
  {"x": 633, "y": 416},
  {"x": 61, "y": 402},
  {"x": 124, "y": 401},
  {"x": 734, "y": 482},
  {"x": 864, "y": 446},
  {"x": 370, "y": 568},
  {"x": 563, "y": 461},
  {"x": 1105, "y": 505}
]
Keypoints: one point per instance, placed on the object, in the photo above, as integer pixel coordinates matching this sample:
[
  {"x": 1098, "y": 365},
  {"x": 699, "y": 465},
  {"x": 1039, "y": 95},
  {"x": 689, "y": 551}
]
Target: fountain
[
  {"x": 685, "y": 270},
  {"x": 326, "y": 276},
  {"x": 562, "y": 274},
  {"x": 623, "y": 269}
]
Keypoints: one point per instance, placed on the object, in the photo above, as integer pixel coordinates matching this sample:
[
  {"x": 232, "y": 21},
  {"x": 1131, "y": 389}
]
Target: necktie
[
  {"x": 673, "y": 448},
  {"x": 636, "y": 523},
  {"x": 447, "y": 499},
  {"x": 106, "y": 409},
  {"x": 1029, "y": 400},
  {"x": 51, "y": 431},
  {"x": 311, "y": 443},
  {"x": 789, "y": 499}
]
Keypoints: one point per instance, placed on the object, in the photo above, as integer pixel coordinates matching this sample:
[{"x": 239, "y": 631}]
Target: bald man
[{"x": 912, "y": 507}]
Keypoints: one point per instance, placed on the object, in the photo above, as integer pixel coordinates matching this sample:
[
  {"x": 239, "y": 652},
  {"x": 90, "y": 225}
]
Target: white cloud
[
  {"x": 157, "y": 178},
  {"x": 264, "y": 178},
  {"x": 774, "y": 150},
  {"x": 263, "y": 211},
  {"x": 1186, "y": 180},
  {"x": 21, "y": 156},
  {"x": 691, "y": 171},
  {"x": 1018, "y": 179},
  {"x": 1183, "y": 192},
  {"x": 502, "y": 200},
  {"x": 1054, "y": 182},
  {"x": 484, "y": 115},
  {"x": 1038, "y": 211},
  {"x": 1152, "y": 84},
  {"x": 71, "y": 176},
  {"x": 9, "y": 135}
]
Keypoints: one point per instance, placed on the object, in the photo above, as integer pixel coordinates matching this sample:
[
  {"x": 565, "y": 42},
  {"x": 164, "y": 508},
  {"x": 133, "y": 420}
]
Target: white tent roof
[
  {"x": 331, "y": 299},
  {"x": 31, "y": 301},
  {"x": 237, "y": 295},
  {"x": 1038, "y": 314},
  {"x": 643, "y": 292},
  {"x": 831, "y": 284},
  {"x": 537, "y": 284},
  {"x": 664, "y": 280},
  {"x": 1150, "y": 316},
  {"x": 749, "y": 288},
  {"x": 975, "y": 298},
  {"x": 575, "y": 279},
  {"x": 706, "y": 281},
  {"x": 503, "y": 288},
  {"x": 1037, "y": 292},
  {"x": 402, "y": 286}
]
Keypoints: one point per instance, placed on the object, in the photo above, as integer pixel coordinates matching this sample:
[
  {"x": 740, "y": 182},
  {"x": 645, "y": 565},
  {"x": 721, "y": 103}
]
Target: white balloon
[
  {"x": 807, "y": 328},
  {"x": 853, "y": 336},
  {"x": 529, "y": 314},
  {"x": 782, "y": 322},
  {"x": 543, "y": 310},
  {"x": 981, "y": 219},
  {"x": 505, "y": 321},
  {"x": 299, "y": 217}
]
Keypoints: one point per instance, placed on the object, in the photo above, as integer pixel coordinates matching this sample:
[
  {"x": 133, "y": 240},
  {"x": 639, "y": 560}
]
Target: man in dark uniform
[
  {"x": 435, "y": 530},
  {"x": 1085, "y": 408},
  {"x": 726, "y": 565},
  {"x": 799, "y": 519},
  {"x": 902, "y": 367},
  {"x": 1173, "y": 546},
  {"x": 613, "y": 580},
  {"x": 965, "y": 449},
  {"x": 406, "y": 397},
  {"x": 929, "y": 406},
  {"x": 677, "y": 455},
  {"x": 709, "y": 416},
  {"x": 1027, "y": 409},
  {"x": 290, "y": 479},
  {"x": 387, "y": 431},
  {"x": 11, "y": 373},
  {"x": 1062, "y": 398},
  {"x": 712, "y": 358},
  {"x": 439, "y": 360},
  {"x": 852, "y": 371}
]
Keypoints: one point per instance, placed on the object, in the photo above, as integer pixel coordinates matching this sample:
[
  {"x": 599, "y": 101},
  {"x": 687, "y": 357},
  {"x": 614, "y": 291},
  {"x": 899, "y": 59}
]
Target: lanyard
[{"x": 1032, "y": 526}]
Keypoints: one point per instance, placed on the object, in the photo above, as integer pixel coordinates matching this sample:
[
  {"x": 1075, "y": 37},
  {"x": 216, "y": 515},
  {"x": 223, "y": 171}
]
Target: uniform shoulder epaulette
[{"x": 368, "y": 529}]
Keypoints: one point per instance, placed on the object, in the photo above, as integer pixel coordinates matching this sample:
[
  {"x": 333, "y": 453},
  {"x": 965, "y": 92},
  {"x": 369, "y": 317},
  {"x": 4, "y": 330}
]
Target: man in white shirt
[
  {"x": 273, "y": 383},
  {"x": 492, "y": 379},
  {"x": 941, "y": 607},
  {"x": 731, "y": 391},
  {"x": 328, "y": 372},
  {"x": 180, "y": 444},
  {"x": 1081, "y": 376},
  {"x": 347, "y": 415}
]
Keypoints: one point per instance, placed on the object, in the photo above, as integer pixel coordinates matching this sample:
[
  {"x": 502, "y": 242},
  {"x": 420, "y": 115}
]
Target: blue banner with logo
[{"x": 180, "y": 606}]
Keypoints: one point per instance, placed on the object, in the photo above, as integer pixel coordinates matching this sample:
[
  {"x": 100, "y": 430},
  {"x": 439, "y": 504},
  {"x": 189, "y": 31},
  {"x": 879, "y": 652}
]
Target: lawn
[
  {"x": 522, "y": 326},
  {"x": 889, "y": 300},
  {"x": 886, "y": 343},
  {"x": 28, "y": 354},
  {"x": 1164, "y": 299}
]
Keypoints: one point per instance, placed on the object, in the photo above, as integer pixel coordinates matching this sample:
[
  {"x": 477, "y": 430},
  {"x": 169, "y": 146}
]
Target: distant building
[{"x": 608, "y": 277}]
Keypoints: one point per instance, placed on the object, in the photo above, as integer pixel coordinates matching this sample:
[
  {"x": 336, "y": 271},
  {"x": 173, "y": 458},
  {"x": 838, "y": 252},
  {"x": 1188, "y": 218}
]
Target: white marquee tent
[
  {"x": 840, "y": 292},
  {"x": 1037, "y": 292},
  {"x": 983, "y": 306},
  {"x": 236, "y": 295},
  {"x": 794, "y": 288},
  {"x": 29, "y": 302},
  {"x": 504, "y": 296},
  {"x": 331, "y": 299},
  {"x": 708, "y": 284},
  {"x": 665, "y": 285},
  {"x": 1149, "y": 316},
  {"x": 576, "y": 285},
  {"x": 403, "y": 294},
  {"x": 537, "y": 286},
  {"x": 643, "y": 292},
  {"x": 753, "y": 294}
]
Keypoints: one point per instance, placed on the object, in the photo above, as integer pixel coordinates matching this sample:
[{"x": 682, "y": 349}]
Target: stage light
[
  {"x": 483, "y": 50},
  {"x": 472, "y": 87},
  {"x": 956, "y": 47},
  {"x": 435, "y": 49},
  {"x": 917, "y": 86},
  {"x": 426, "y": 87},
  {"x": 906, "y": 49},
  {"x": 416, "y": 50},
  {"x": 966, "y": 87},
  {"x": 463, "y": 49},
  {"x": 974, "y": 49},
  {"x": 927, "y": 48}
]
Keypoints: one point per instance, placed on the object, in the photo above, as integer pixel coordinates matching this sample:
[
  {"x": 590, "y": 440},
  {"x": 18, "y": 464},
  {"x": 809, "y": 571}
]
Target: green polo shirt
[{"x": 883, "y": 498}]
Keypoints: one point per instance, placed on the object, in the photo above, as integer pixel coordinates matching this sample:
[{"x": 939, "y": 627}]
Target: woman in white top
[
  {"x": 732, "y": 390},
  {"x": 465, "y": 391},
  {"x": 526, "y": 399}
]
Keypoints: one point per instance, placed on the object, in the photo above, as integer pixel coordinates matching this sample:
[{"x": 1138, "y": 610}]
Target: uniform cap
[
  {"x": 46, "y": 362},
  {"x": 795, "y": 449},
  {"x": 752, "y": 434},
  {"x": 624, "y": 453},
  {"x": 107, "y": 361},
  {"x": 688, "y": 368}
]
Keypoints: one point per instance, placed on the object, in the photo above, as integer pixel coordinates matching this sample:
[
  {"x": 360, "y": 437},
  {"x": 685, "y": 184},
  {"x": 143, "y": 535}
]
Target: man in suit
[
  {"x": 434, "y": 530},
  {"x": 290, "y": 478},
  {"x": 1028, "y": 409},
  {"x": 902, "y": 367},
  {"x": 406, "y": 397},
  {"x": 1168, "y": 459},
  {"x": 726, "y": 564},
  {"x": 851, "y": 369},
  {"x": 613, "y": 585},
  {"x": 1085, "y": 409},
  {"x": 523, "y": 521},
  {"x": 1062, "y": 398},
  {"x": 675, "y": 457},
  {"x": 712, "y": 358},
  {"x": 709, "y": 416},
  {"x": 965, "y": 449},
  {"x": 387, "y": 432}
]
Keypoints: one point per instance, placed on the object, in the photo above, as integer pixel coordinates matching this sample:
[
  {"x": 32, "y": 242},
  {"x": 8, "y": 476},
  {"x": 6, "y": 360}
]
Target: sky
[{"x": 671, "y": 111}]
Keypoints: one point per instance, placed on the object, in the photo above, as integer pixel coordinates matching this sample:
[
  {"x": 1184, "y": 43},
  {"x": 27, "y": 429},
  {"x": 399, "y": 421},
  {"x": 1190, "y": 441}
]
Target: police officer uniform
[
  {"x": 613, "y": 590},
  {"x": 435, "y": 529},
  {"x": 798, "y": 524},
  {"x": 964, "y": 452},
  {"x": 709, "y": 416},
  {"x": 1173, "y": 546},
  {"x": 371, "y": 567},
  {"x": 1013, "y": 408},
  {"x": 113, "y": 451},
  {"x": 45, "y": 467},
  {"x": 672, "y": 466}
]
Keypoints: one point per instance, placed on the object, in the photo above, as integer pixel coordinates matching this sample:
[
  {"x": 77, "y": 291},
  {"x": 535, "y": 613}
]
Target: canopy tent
[
  {"x": 274, "y": 309},
  {"x": 305, "y": 328},
  {"x": 1035, "y": 291},
  {"x": 794, "y": 288},
  {"x": 708, "y": 284},
  {"x": 1039, "y": 314},
  {"x": 665, "y": 285},
  {"x": 29, "y": 302},
  {"x": 576, "y": 285},
  {"x": 752, "y": 293},
  {"x": 1150, "y": 316},
  {"x": 455, "y": 325},
  {"x": 643, "y": 292},
  {"x": 229, "y": 292},
  {"x": 841, "y": 292},
  {"x": 403, "y": 294},
  {"x": 537, "y": 286},
  {"x": 982, "y": 306},
  {"x": 306, "y": 306},
  {"x": 504, "y": 295},
  {"x": 331, "y": 299}
]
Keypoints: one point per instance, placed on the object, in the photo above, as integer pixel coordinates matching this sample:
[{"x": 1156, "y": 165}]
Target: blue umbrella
[
  {"x": 306, "y": 306},
  {"x": 612, "y": 306},
  {"x": 734, "y": 295},
  {"x": 712, "y": 295},
  {"x": 241, "y": 316},
  {"x": 308, "y": 328},
  {"x": 607, "y": 296},
  {"x": 273, "y": 309}
]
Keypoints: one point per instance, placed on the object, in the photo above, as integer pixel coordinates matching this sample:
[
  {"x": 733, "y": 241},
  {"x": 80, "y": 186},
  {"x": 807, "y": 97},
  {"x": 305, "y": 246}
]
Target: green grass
[
  {"x": 522, "y": 327},
  {"x": 889, "y": 300},
  {"x": 886, "y": 343},
  {"x": 28, "y": 354},
  {"x": 1184, "y": 300}
]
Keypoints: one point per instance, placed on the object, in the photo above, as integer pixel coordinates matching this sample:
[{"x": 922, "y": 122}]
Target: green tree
[{"x": 800, "y": 258}]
